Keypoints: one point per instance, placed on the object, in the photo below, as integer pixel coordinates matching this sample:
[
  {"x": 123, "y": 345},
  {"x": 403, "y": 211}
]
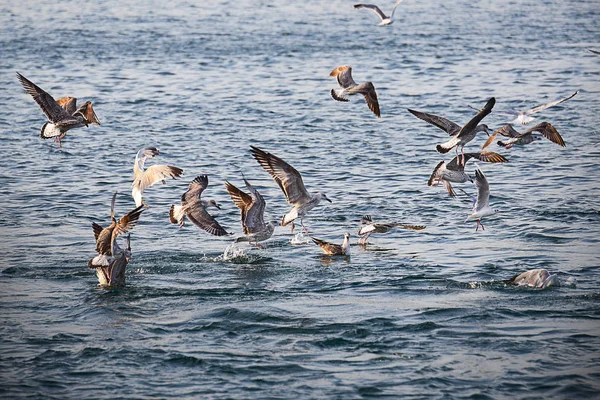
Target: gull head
[
  {"x": 150, "y": 152},
  {"x": 212, "y": 203},
  {"x": 322, "y": 196},
  {"x": 486, "y": 129}
]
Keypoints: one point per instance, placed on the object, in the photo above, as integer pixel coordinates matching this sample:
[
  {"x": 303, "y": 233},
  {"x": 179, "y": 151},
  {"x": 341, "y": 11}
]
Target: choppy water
[{"x": 204, "y": 81}]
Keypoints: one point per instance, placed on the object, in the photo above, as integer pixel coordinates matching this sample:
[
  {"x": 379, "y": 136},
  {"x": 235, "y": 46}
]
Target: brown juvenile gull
[
  {"x": 349, "y": 87},
  {"x": 154, "y": 174},
  {"x": 385, "y": 20},
  {"x": 106, "y": 246},
  {"x": 545, "y": 129},
  {"x": 113, "y": 275},
  {"x": 455, "y": 171},
  {"x": 194, "y": 208},
  {"x": 369, "y": 227},
  {"x": 335, "y": 249},
  {"x": 524, "y": 116},
  {"x": 62, "y": 114},
  {"x": 535, "y": 278},
  {"x": 252, "y": 209},
  {"x": 291, "y": 184}
]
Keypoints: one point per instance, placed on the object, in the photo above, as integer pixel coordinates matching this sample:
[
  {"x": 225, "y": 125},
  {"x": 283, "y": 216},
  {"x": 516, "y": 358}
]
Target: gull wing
[
  {"x": 368, "y": 91},
  {"x": 97, "y": 229},
  {"x": 255, "y": 216},
  {"x": 548, "y": 131},
  {"x": 507, "y": 130},
  {"x": 286, "y": 176},
  {"x": 87, "y": 112},
  {"x": 195, "y": 211},
  {"x": 444, "y": 124},
  {"x": 128, "y": 221},
  {"x": 152, "y": 175},
  {"x": 375, "y": 9},
  {"x": 548, "y": 105},
  {"x": 241, "y": 199},
  {"x": 483, "y": 191},
  {"x": 54, "y": 112},
  {"x": 394, "y": 9},
  {"x": 69, "y": 104},
  {"x": 472, "y": 124},
  {"x": 344, "y": 76},
  {"x": 484, "y": 156}
]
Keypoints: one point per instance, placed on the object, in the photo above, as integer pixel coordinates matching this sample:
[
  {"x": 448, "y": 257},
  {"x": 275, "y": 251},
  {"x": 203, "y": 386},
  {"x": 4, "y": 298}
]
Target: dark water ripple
[{"x": 416, "y": 314}]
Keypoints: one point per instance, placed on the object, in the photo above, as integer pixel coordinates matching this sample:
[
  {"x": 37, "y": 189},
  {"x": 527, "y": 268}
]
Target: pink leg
[{"x": 305, "y": 230}]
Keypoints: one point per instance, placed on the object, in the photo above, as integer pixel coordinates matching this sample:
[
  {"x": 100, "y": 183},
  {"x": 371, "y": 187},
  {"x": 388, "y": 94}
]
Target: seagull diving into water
[
  {"x": 369, "y": 227},
  {"x": 348, "y": 87},
  {"x": 385, "y": 20},
  {"x": 481, "y": 208},
  {"x": 291, "y": 184},
  {"x": 154, "y": 174},
  {"x": 545, "y": 129},
  {"x": 63, "y": 114},
  {"x": 535, "y": 278},
  {"x": 455, "y": 171},
  {"x": 332, "y": 249},
  {"x": 252, "y": 209},
  {"x": 194, "y": 208}
]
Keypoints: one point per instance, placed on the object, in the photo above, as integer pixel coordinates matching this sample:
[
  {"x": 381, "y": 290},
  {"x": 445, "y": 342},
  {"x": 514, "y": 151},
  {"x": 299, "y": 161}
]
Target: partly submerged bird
[
  {"x": 252, "y": 209},
  {"x": 348, "y": 87},
  {"x": 194, "y": 208},
  {"x": 335, "y": 249},
  {"x": 454, "y": 171},
  {"x": 545, "y": 129},
  {"x": 154, "y": 174},
  {"x": 535, "y": 278},
  {"x": 113, "y": 274},
  {"x": 290, "y": 182},
  {"x": 369, "y": 227},
  {"x": 481, "y": 208},
  {"x": 524, "y": 116},
  {"x": 63, "y": 114},
  {"x": 385, "y": 20}
]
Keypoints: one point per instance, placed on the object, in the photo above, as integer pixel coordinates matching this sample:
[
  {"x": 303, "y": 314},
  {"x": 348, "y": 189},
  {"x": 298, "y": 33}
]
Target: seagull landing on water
[
  {"x": 455, "y": 171},
  {"x": 545, "y": 129},
  {"x": 369, "y": 227},
  {"x": 524, "y": 117},
  {"x": 291, "y": 184},
  {"x": 481, "y": 208},
  {"x": 348, "y": 87},
  {"x": 194, "y": 208},
  {"x": 334, "y": 249},
  {"x": 252, "y": 209},
  {"x": 154, "y": 174},
  {"x": 385, "y": 20},
  {"x": 63, "y": 114}
]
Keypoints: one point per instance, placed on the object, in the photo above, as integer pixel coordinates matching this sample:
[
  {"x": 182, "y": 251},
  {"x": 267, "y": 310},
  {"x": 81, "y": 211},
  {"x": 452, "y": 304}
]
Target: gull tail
[
  {"x": 446, "y": 147},
  {"x": 338, "y": 94},
  {"x": 176, "y": 214}
]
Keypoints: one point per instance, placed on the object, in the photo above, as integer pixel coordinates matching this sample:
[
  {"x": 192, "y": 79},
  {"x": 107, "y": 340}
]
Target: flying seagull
[
  {"x": 369, "y": 227},
  {"x": 291, "y": 184},
  {"x": 454, "y": 171},
  {"x": 252, "y": 209},
  {"x": 194, "y": 208},
  {"x": 348, "y": 87},
  {"x": 335, "y": 249},
  {"x": 385, "y": 20},
  {"x": 154, "y": 174},
  {"x": 545, "y": 129},
  {"x": 63, "y": 114},
  {"x": 524, "y": 116},
  {"x": 481, "y": 208}
]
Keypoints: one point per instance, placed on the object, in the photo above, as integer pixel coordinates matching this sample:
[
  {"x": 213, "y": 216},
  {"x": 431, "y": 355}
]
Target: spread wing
[
  {"x": 195, "y": 189},
  {"x": 87, "y": 112},
  {"x": 483, "y": 191},
  {"x": 286, "y": 176},
  {"x": 204, "y": 220},
  {"x": 344, "y": 76},
  {"x": 394, "y": 9},
  {"x": 444, "y": 124},
  {"x": 128, "y": 221},
  {"x": 472, "y": 124},
  {"x": 548, "y": 131},
  {"x": 507, "y": 130},
  {"x": 255, "y": 216},
  {"x": 54, "y": 112},
  {"x": 152, "y": 175},
  {"x": 548, "y": 105},
  {"x": 484, "y": 156},
  {"x": 368, "y": 91},
  {"x": 241, "y": 199},
  {"x": 69, "y": 104},
  {"x": 375, "y": 9},
  {"x": 97, "y": 229}
]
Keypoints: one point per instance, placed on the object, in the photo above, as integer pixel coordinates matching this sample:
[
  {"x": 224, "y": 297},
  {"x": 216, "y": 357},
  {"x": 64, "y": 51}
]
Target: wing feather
[
  {"x": 54, "y": 112},
  {"x": 444, "y": 124}
]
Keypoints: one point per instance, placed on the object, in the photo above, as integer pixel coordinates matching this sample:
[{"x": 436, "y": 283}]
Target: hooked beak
[{"x": 218, "y": 206}]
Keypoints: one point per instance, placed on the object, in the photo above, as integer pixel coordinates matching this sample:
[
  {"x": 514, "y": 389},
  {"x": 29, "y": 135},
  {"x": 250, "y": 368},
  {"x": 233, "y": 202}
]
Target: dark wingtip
[
  {"x": 172, "y": 214},
  {"x": 441, "y": 149}
]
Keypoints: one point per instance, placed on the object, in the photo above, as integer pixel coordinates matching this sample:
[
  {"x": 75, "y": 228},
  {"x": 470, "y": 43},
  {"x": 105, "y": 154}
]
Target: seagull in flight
[
  {"x": 332, "y": 249},
  {"x": 143, "y": 179},
  {"x": 481, "y": 208},
  {"x": 291, "y": 184},
  {"x": 348, "y": 87},
  {"x": 544, "y": 129},
  {"x": 385, "y": 20},
  {"x": 369, "y": 227}
]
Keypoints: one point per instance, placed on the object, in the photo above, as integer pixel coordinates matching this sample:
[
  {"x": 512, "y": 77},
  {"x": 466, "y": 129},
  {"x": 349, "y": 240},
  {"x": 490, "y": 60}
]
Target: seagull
[
  {"x": 524, "y": 116},
  {"x": 455, "y": 171},
  {"x": 536, "y": 278},
  {"x": 195, "y": 208},
  {"x": 545, "y": 129},
  {"x": 63, "y": 114},
  {"x": 252, "y": 208},
  {"x": 154, "y": 174},
  {"x": 113, "y": 275},
  {"x": 385, "y": 20},
  {"x": 369, "y": 227},
  {"x": 481, "y": 208},
  {"x": 349, "y": 87},
  {"x": 335, "y": 249},
  {"x": 106, "y": 245},
  {"x": 291, "y": 184}
]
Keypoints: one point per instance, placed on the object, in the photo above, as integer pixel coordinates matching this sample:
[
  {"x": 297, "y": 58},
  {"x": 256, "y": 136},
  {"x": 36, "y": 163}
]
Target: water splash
[
  {"x": 300, "y": 238},
  {"x": 237, "y": 254}
]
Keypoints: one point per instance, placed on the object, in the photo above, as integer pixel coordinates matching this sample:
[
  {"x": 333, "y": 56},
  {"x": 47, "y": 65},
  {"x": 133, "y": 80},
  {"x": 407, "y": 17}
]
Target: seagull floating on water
[
  {"x": 524, "y": 117},
  {"x": 335, "y": 249},
  {"x": 385, "y": 20},
  {"x": 369, "y": 227},
  {"x": 63, "y": 114},
  {"x": 454, "y": 171},
  {"x": 481, "y": 208},
  {"x": 154, "y": 174},
  {"x": 545, "y": 129},
  {"x": 291, "y": 184},
  {"x": 194, "y": 208},
  {"x": 348, "y": 87},
  {"x": 252, "y": 209},
  {"x": 535, "y": 278}
]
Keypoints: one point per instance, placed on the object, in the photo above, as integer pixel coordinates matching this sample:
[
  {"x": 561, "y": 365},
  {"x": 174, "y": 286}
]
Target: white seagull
[
  {"x": 545, "y": 129},
  {"x": 369, "y": 227},
  {"x": 385, "y": 20},
  {"x": 481, "y": 208},
  {"x": 154, "y": 174},
  {"x": 291, "y": 184}
]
